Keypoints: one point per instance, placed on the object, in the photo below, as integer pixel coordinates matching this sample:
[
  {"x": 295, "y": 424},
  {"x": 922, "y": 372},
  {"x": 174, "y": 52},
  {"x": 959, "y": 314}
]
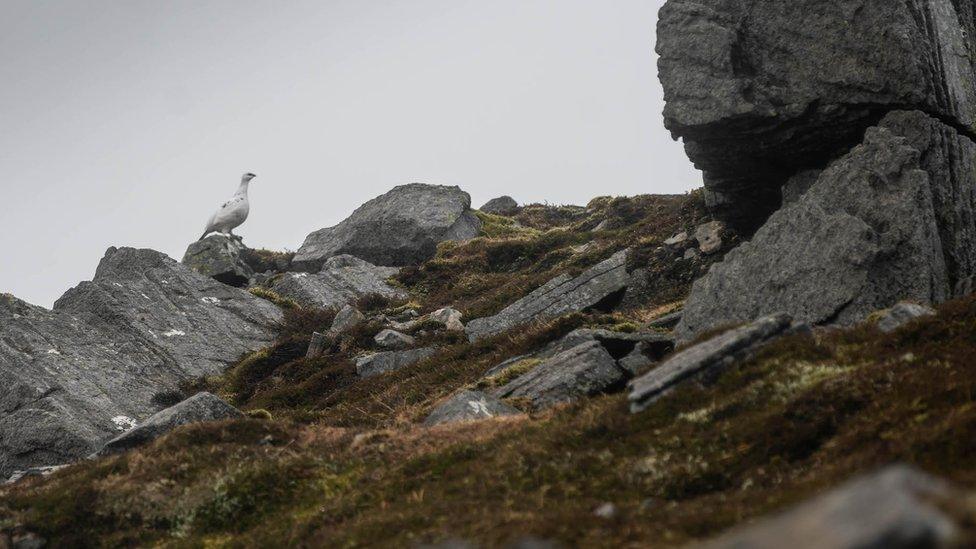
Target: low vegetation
[{"x": 328, "y": 459}]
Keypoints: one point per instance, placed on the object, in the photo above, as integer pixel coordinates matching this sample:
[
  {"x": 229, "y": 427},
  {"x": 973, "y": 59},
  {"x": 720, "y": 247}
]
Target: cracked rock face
[
  {"x": 78, "y": 375},
  {"x": 563, "y": 294},
  {"x": 399, "y": 228},
  {"x": 343, "y": 279},
  {"x": 762, "y": 89},
  {"x": 220, "y": 258},
  {"x": 892, "y": 220}
]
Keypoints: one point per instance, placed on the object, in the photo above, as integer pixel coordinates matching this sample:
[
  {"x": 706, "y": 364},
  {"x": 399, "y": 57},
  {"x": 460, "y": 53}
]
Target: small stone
[
  {"x": 469, "y": 406},
  {"x": 691, "y": 253},
  {"x": 606, "y": 511},
  {"x": 901, "y": 314},
  {"x": 677, "y": 239},
  {"x": 346, "y": 319},
  {"x": 454, "y": 325},
  {"x": 449, "y": 317},
  {"x": 392, "y": 339},
  {"x": 709, "y": 236},
  {"x": 389, "y": 361}
]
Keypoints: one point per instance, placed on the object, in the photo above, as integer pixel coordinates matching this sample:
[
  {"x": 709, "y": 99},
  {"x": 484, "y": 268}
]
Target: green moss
[
  {"x": 510, "y": 373},
  {"x": 497, "y": 226},
  {"x": 274, "y": 297}
]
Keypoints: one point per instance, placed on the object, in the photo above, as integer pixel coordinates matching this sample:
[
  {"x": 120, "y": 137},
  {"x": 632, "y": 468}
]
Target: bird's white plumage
[{"x": 231, "y": 214}]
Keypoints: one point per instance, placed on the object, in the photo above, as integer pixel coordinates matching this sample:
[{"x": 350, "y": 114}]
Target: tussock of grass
[{"x": 273, "y": 296}]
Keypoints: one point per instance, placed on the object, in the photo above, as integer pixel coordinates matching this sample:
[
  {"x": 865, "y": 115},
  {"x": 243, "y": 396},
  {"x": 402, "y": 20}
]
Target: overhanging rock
[{"x": 762, "y": 89}]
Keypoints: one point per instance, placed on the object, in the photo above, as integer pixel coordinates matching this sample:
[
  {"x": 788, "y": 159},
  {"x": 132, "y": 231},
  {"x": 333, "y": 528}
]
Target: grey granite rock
[
  {"x": 469, "y": 406},
  {"x": 761, "y": 89},
  {"x": 389, "y": 361},
  {"x": 198, "y": 408},
  {"x": 346, "y": 319},
  {"x": 503, "y": 205},
  {"x": 342, "y": 280},
  {"x": 898, "y": 507},
  {"x": 704, "y": 359},
  {"x": 584, "y": 370},
  {"x": 74, "y": 377},
  {"x": 867, "y": 234},
  {"x": 401, "y": 227},
  {"x": 597, "y": 286},
  {"x": 901, "y": 314},
  {"x": 449, "y": 317},
  {"x": 221, "y": 258},
  {"x": 392, "y": 339},
  {"x": 709, "y": 237}
]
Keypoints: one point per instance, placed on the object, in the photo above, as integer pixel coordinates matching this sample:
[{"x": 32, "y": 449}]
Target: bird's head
[{"x": 247, "y": 177}]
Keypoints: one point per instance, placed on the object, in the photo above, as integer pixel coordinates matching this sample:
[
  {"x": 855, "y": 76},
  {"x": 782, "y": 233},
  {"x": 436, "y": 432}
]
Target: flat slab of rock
[
  {"x": 893, "y": 220},
  {"x": 198, "y": 408},
  {"x": 76, "y": 376},
  {"x": 895, "y": 508},
  {"x": 392, "y": 339},
  {"x": 220, "y": 258},
  {"x": 584, "y": 370},
  {"x": 758, "y": 90},
  {"x": 399, "y": 228},
  {"x": 469, "y": 406},
  {"x": 342, "y": 280},
  {"x": 901, "y": 314},
  {"x": 707, "y": 357},
  {"x": 561, "y": 295},
  {"x": 389, "y": 361}
]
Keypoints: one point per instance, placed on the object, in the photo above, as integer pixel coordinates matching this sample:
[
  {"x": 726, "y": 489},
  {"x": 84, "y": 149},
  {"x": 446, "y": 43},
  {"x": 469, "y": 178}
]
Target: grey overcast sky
[{"x": 127, "y": 123}]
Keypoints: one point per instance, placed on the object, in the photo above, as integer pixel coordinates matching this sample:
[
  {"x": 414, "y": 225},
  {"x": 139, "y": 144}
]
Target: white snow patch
[
  {"x": 210, "y": 300},
  {"x": 53, "y": 352},
  {"x": 123, "y": 423},
  {"x": 480, "y": 408},
  {"x": 299, "y": 275},
  {"x": 16, "y": 316},
  {"x": 146, "y": 296},
  {"x": 174, "y": 332},
  {"x": 117, "y": 284}
]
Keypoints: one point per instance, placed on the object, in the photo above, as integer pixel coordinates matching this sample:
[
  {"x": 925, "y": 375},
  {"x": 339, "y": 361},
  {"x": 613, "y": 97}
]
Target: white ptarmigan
[{"x": 232, "y": 213}]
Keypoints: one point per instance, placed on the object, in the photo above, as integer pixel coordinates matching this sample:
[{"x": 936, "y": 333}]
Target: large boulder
[
  {"x": 78, "y": 375},
  {"x": 198, "y": 408},
  {"x": 898, "y": 507},
  {"x": 391, "y": 361},
  {"x": 399, "y": 228},
  {"x": 894, "y": 219},
  {"x": 503, "y": 205},
  {"x": 601, "y": 285},
  {"x": 762, "y": 89},
  {"x": 342, "y": 280},
  {"x": 221, "y": 258}
]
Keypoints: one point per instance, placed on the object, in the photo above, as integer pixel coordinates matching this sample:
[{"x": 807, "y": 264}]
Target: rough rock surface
[
  {"x": 705, "y": 359},
  {"x": 346, "y": 319},
  {"x": 503, "y": 205},
  {"x": 469, "y": 406},
  {"x": 392, "y": 339},
  {"x": 220, "y": 258},
  {"x": 901, "y": 314},
  {"x": 895, "y": 508},
  {"x": 895, "y": 219},
  {"x": 401, "y": 227},
  {"x": 760, "y": 89},
  {"x": 74, "y": 377},
  {"x": 200, "y": 407},
  {"x": 389, "y": 361},
  {"x": 343, "y": 279},
  {"x": 598, "y": 285},
  {"x": 584, "y": 370}
]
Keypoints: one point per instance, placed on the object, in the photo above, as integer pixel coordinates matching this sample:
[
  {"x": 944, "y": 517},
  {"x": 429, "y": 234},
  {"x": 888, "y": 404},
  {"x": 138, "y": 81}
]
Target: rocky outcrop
[
  {"x": 342, "y": 280},
  {"x": 399, "y": 228},
  {"x": 392, "y": 339},
  {"x": 76, "y": 376},
  {"x": 898, "y": 507},
  {"x": 601, "y": 285},
  {"x": 503, "y": 205},
  {"x": 198, "y": 408},
  {"x": 469, "y": 406},
  {"x": 895, "y": 219},
  {"x": 584, "y": 370},
  {"x": 389, "y": 361},
  {"x": 901, "y": 314},
  {"x": 761, "y": 90},
  {"x": 221, "y": 258},
  {"x": 705, "y": 360}
]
